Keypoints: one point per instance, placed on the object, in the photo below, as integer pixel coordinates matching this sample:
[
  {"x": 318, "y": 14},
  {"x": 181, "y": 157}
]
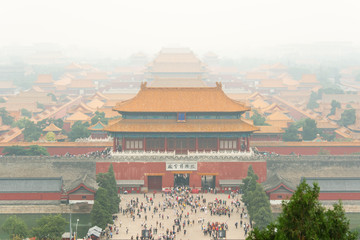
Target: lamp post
[{"x": 77, "y": 221}]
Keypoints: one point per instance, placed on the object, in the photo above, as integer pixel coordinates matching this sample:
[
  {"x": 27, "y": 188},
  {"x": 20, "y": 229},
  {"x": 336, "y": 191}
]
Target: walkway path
[{"x": 193, "y": 231}]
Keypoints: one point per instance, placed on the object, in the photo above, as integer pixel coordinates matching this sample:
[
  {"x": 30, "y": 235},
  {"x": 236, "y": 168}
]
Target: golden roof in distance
[
  {"x": 78, "y": 116},
  {"x": 52, "y": 128}
]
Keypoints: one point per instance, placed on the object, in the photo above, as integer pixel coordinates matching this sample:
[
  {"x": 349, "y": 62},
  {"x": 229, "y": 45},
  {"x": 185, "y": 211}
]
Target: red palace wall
[
  {"x": 337, "y": 196},
  {"x": 310, "y": 150},
  {"x": 30, "y": 196},
  {"x": 222, "y": 170}
]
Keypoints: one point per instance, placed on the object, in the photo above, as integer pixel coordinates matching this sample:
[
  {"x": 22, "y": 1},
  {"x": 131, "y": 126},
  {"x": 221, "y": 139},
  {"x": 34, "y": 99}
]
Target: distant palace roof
[
  {"x": 204, "y": 99},
  {"x": 191, "y": 125},
  {"x": 52, "y": 128}
]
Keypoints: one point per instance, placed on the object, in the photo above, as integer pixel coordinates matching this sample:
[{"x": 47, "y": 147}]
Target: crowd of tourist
[{"x": 180, "y": 207}]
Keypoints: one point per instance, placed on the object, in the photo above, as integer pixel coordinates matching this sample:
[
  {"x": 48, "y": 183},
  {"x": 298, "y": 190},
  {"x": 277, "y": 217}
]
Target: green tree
[
  {"x": 259, "y": 207},
  {"x": 26, "y": 113},
  {"x": 254, "y": 197},
  {"x": 79, "y": 130},
  {"x": 107, "y": 181},
  {"x": 312, "y": 104},
  {"x": 36, "y": 150},
  {"x": 6, "y": 118},
  {"x": 291, "y": 134},
  {"x": 15, "y": 151},
  {"x": 53, "y": 97},
  {"x": 348, "y": 117},
  {"x": 31, "y": 131},
  {"x": 303, "y": 217},
  {"x": 99, "y": 116},
  {"x": 99, "y": 215},
  {"x": 45, "y": 122},
  {"x": 15, "y": 227},
  {"x": 334, "y": 105},
  {"x": 309, "y": 129},
  {"x": 50, "y": 136},
  {"x": 258, "y": 119},
  {"x": 49, "y": 227},
  {"x": 40, "y": 105}
]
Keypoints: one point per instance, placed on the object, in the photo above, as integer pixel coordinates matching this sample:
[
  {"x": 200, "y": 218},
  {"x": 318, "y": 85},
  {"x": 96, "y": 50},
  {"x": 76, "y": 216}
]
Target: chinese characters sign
[{"x": 176, "y": 166}]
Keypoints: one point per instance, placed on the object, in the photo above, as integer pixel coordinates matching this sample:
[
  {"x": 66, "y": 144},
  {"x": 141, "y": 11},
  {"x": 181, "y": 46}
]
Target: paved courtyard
[{"x": 131, "y": 227}]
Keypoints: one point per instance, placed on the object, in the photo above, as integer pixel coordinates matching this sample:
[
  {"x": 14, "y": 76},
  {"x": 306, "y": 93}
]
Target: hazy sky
[{"x": 148, "y": 25}]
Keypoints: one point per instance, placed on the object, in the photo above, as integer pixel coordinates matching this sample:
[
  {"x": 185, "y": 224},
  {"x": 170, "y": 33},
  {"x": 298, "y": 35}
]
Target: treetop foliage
[
  {"x": 33, "y": 150},
  {"x": 106, "y": 199},
  {"x": 303, "y": 217}
]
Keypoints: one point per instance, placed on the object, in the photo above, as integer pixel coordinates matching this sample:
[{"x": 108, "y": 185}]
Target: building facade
[{"x": 181, "y": 136}]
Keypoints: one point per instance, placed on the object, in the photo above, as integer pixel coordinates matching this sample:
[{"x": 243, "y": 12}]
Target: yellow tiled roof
[
  {"x": 95, "y": 104},
  {"x": 208, "y": 99},
  {"x": 309, "y": 78},
  {"x": 44, "y": 78},
  {"x": 259, "y": 104},
  {"x": 78, "y": 116},
  {"x": 269, "y": 129},
  {"x": 276, "y": 116},
  {"x": 52, "y": 128},
  {"x": 191, "y": 125}
]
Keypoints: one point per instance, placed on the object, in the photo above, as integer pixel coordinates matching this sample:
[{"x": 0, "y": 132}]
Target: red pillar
[
  {"x": 123, "y": 144},
  {"x": 218, "y": 144},
  {"x": 238, "y": 144},
  {"x": 114, "y": 144},
  {"x": 196, "y": 144},
  {"x": 165, "y": 144},
  {"x": 144, "y": 144},
  {"x": 247, "y": 144}
]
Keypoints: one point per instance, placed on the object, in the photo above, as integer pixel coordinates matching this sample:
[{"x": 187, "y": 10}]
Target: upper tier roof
[
  {"x": 202, "y": 99},
  {"x": 172, "y": 126}
]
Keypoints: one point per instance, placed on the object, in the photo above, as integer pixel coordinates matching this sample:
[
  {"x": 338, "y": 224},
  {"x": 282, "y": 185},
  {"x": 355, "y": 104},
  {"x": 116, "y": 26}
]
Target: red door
[{"x": 155, "y": 183}]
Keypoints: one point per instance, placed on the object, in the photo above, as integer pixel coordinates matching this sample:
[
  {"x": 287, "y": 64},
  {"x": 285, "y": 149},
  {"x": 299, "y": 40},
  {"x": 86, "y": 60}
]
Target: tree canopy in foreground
[{"x": 303, "y": 217}]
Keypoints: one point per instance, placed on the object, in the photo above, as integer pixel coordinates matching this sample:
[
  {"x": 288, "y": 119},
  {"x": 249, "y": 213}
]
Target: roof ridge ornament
[
  {"x": 143, "y": 85},
  {"x": 219, "y": 85}
]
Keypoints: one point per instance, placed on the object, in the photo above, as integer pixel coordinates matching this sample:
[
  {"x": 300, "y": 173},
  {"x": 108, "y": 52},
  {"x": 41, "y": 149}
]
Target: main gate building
[{"x": 181, "y": 136}]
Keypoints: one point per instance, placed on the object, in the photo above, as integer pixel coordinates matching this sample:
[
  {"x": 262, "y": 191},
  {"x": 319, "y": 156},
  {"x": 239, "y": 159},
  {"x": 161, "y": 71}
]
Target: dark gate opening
[
  {"x": 155, "y": 183},
  {"x": 208, "y": 182},
  {"x": 181, "y": 180}
]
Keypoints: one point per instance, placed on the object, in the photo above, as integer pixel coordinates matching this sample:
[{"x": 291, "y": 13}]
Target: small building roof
[
  {"x": 99, "y": 126},
  {"x": 52, "y": 128},
  {"x": 13, "y": 185},
  {"x": 170, "y": 125},
  {"x": 269, "y": 129},
  {"x": 81, "y": 83},
  {"x": 278, "y": 116},
  {"x": 275, "y": 181},
  {"x": 308, "y": 78},
  {"x": 82, "y": 107},
  {"x": 207, "y": 99},
  {"x": 78, "y": 116},
  {"x": 95, "y": 103},
  {"x": 259, "y": 103},
  {"x": 44, "y": 78},
  {"x": 109, "y": 112}
]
